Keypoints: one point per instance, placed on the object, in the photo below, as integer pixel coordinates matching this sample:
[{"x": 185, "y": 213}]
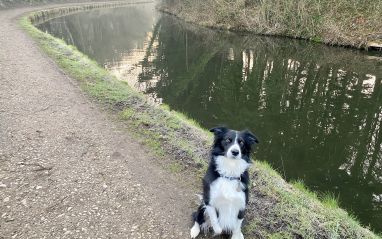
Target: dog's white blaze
[
  {"x": 231, "y": 167},
  {"x": 195, "y": 230},
  {"x": 234, "y": 146},
  {"x": 228, "y": 201}
]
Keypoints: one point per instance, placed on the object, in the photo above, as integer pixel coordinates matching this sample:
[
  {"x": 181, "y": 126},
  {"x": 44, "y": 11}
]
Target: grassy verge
[
  {"x": 276, "y": 209},
  {"x": 290, "y": 210},
  {"x": 352, "y": 23}
]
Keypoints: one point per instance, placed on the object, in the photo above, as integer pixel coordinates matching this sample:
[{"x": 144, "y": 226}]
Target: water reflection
[{"x": 317, "y": 110}]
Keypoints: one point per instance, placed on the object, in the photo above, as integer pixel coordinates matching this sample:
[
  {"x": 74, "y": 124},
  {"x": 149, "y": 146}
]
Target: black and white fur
[{"x": 225, "y": 185}]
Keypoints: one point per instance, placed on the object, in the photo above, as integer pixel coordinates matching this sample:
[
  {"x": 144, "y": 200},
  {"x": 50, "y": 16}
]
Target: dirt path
[{"x": 68, "y": 169}]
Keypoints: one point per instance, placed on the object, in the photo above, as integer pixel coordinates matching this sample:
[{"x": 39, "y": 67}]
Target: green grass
[
  {"x": 276, "y": 209},
  {"x": 175, "y": 167},
  {"x": 297, "y": 211},
  {"x": 183, "y": 117},
  {"x": 299, "y": 184},
  {"x": 329, "y": 200}
]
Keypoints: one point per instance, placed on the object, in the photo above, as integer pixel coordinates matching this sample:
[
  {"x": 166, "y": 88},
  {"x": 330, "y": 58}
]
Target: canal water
[{"x": 316, "y": 109}]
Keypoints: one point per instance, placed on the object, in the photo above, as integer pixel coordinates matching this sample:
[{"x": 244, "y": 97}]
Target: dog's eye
[
  {"x": 241, "y": 142},
  {"x": 228, "y": 140}
]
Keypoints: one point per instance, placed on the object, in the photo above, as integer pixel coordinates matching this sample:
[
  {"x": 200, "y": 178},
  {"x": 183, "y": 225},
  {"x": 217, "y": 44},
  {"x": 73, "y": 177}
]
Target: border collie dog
[{"x": 225, "y": 185}]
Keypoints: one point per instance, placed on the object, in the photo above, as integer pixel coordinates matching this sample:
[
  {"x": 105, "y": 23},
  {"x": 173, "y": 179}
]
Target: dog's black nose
[{"x": 235, "y": 152}]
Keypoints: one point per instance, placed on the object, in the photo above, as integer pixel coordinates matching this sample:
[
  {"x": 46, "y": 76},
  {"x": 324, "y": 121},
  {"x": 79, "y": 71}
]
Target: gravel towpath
[{"x": 68, "y": 169}]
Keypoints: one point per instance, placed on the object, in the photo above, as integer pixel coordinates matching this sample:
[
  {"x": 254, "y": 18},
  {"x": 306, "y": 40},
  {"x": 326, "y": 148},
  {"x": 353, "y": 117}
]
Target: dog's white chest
[
  {"x": 225, "y": 191},
  {"x": 228, "y": 201}
]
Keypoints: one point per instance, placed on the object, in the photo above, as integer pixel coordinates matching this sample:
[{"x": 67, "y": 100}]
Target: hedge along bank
[
  {"x": 276, "y": 208},
  {"x": 351, "y": 23}
]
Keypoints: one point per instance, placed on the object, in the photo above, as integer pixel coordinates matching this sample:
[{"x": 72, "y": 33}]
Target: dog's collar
[{"x": 231, "y": 178}]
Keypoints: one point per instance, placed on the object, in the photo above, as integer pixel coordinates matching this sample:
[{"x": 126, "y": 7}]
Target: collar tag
[{"x": 231, "y": 178}]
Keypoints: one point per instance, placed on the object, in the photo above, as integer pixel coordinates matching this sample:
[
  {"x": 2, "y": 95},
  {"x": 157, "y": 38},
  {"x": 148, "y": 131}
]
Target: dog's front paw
[
  {"x": 195, "y": 230},
  {"x": 237, "y": 235},
  {"x": 217, "y": 230}
]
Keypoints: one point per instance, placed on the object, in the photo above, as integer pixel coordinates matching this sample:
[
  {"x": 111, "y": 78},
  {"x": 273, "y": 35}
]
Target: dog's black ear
[
  {"x": 218, "y": 130},
  {"x": 250, "y": 137}
]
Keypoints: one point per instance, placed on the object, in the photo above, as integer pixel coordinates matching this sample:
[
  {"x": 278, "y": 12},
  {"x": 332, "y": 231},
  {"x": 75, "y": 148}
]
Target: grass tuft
[
  {"x": 329, "y": 200},
  {"x": 299, "y": 184}
]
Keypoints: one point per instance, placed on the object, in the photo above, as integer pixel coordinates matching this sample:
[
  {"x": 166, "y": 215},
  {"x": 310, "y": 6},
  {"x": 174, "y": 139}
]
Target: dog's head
[{"x": 233, "y": 144}]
